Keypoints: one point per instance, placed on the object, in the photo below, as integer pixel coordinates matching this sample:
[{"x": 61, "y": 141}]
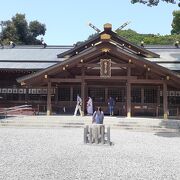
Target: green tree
[
  {"x": 21, "y": 27},
  {"x": 36, "y": 28},
  {"x": 176, "y": 22},
  {"x": 20, "y": 32},
  {"x": 80, "y": 42},
  {"x": 148, "y": 39},
  {"x": 9, "y": 32},
  {"x": 154, "y": 2}
]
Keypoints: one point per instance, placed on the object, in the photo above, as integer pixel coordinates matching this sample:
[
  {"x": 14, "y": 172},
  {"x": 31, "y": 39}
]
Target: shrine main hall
[{"x": 144, "y": 81}]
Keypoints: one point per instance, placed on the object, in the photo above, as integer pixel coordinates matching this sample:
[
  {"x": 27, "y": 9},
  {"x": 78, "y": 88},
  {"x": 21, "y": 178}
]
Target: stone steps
[{"x": 133, "y": 124}]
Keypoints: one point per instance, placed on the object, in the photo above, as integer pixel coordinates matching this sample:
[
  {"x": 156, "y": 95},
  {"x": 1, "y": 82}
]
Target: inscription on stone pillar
[{"x": 105, "y": 68}]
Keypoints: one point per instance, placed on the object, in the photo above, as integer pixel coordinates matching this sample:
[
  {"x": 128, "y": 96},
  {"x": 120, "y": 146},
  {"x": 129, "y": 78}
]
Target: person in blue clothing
[
  {"x": 98, "y": 116},
  {"x": 111, "y": 103}
]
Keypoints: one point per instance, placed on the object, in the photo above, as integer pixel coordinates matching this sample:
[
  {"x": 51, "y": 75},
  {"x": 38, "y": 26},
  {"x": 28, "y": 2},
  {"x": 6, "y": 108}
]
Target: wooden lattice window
[
  {"x": 118, "y": 94},
  {"x": 136, "y": 95},
  {"x": 64, "y": 93},
  {"x": 97, "y": 94},
  {"x": 150, "y": 95},
  {"x": 76, "y": 91},
  {"x": 174, "y": 100}
]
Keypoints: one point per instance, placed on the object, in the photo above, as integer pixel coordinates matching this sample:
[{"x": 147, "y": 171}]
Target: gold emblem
[
  {"x": 105, "y": 49},
  {"x": 105, "y": 36}
]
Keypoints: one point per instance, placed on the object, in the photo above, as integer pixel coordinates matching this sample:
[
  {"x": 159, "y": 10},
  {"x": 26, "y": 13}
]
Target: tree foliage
[
  {"x": 154, "y": 2},
  {"x": 90, "y": 37},
  {"x": 148, "y": 39},
  {"x": 176, "y": 23},
  {"x": 20, "y": 32}
]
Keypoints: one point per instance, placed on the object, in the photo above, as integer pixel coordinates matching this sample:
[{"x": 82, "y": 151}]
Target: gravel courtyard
[{"x": 31, "y": 154}]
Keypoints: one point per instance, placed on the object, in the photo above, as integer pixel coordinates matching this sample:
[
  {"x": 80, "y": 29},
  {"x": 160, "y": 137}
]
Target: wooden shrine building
[
  {"x": 143, "y": 81},
  {"x": 108, "y": 65}
]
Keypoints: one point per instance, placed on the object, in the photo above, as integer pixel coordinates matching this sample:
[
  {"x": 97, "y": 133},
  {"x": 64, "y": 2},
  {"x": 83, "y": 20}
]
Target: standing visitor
[
  {"x": 78, "y": 106},
  {"x": 89, "y": 106},
  {"x": 98, "y": 116},
  {"x": 111, "y": 104}
]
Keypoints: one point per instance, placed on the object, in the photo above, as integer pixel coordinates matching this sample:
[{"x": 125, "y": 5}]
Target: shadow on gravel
[{"x": 168, "y": 134}]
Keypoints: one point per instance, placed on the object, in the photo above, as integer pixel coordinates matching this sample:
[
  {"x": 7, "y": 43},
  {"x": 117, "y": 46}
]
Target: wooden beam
[
  {"x": 110, "y": 78},
  {"x": 96, "y": 59},
  {"x": 146, "y": 81},
  {"x": 112, "y": 65},
  {"x": 30, "y": 79},
  {"x": 70, "y": 80},
  {"x": 131, "y": 47},
  {"x": 140, "y": 61}
]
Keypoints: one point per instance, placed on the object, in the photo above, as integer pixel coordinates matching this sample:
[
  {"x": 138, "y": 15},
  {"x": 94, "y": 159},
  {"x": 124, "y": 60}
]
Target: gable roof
[
  {"x": 59, "y": 66},
  {"x": 95, "y": 47},
  {"x": 129, "y": 46},
  {"x": 36, "y": 57}
]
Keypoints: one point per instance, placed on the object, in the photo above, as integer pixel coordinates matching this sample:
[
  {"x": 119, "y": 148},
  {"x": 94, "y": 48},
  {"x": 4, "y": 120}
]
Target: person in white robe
[
  {"x": 78, "y": 106},
  {"x": 89, "y": 106}
]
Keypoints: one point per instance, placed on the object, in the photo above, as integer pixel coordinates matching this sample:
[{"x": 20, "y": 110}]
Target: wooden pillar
[
  {"x": 106, "y": 94},
  {"x": 128, "y": 92},
  {"x": 128, "y": 99},
  {"x": 158, "y": 95},
  {"x": 165, "y": 101},
  {"x": 86, "y": 90},
  {"x": 158, "y": 101},
  {"x": 71, "y": 95},
  {"x": 83, "y": 89},
  {"x": 49, "y": 108},
  {"x": 56, "y": 95}
]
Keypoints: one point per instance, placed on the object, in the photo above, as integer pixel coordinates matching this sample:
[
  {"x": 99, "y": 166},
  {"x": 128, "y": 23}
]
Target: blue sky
[{"x": 67, "y": 21}]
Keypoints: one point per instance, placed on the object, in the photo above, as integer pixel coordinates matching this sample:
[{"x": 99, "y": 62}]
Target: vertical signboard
[{"x": 105, "y": 68}]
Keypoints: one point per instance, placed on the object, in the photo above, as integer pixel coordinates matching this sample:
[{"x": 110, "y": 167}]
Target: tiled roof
[
  {"x": 25, "y": 65},
  {"x": 169, "y": 56},
  {"x": 37, "y": 57},
  {"x": 30, "y": 57}
]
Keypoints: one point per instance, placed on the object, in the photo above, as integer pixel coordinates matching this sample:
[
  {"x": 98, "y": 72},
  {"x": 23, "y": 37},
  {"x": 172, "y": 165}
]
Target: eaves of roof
[{"x": 76, "y": 58}]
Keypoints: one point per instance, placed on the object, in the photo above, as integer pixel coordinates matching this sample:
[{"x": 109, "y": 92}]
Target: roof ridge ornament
[
  {"x": 94, "y": 27},
  {"x": 123, "y": 25},
  {"x": 107, "y": 27}
]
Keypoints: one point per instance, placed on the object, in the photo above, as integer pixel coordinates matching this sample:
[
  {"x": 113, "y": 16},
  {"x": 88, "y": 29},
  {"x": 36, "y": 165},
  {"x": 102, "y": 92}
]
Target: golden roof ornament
[
  {"x": 105, "y": 36},
  {"x": 105, "y": 49},
  {"x": 107, "y": 26}
]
